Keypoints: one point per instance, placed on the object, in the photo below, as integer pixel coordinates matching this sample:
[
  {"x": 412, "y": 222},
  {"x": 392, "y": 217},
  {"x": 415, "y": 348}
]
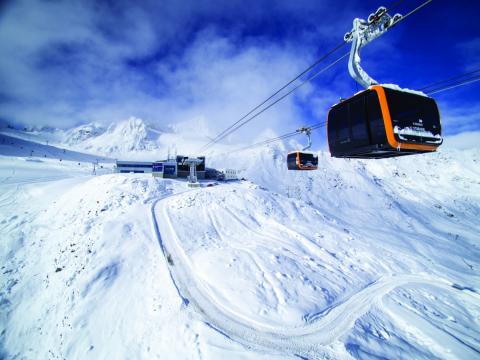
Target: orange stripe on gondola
[
  {"x": 301, "y": 167},
  {"x": 387, "y": 120}
]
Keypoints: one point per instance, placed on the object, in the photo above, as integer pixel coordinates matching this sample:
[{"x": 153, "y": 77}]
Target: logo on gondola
[{"x": 418, "y": 124}]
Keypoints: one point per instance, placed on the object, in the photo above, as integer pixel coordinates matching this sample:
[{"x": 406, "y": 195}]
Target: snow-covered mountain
[
  {"x": 82, "y": 133},
  {"x": 360, "y": 259},
  {"x": 132, "y": 135},
  {"x": 132, "y": 138},
  {"x": 123, "y": 139}
]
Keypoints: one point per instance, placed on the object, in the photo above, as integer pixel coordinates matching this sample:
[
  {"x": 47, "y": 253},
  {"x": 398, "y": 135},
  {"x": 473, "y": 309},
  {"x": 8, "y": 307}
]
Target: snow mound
[{"x": 278, "y": 261}]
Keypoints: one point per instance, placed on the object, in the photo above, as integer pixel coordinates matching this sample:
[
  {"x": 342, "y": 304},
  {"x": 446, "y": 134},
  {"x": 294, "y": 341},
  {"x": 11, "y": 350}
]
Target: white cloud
[
  {"x": 470, "y": 51},
  {"x": 69, "y": 62},
  {"x": 464, "y": 140},
  {"x": 457, "y": 119}
]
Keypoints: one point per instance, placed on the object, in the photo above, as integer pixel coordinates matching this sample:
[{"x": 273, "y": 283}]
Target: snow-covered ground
[{"x": 360, "y": 259}]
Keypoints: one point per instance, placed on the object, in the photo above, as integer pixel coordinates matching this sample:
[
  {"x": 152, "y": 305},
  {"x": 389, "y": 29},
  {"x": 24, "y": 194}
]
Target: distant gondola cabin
[
  {"x": 302, "y": 160},
  {"x": 382, "y": 122}
]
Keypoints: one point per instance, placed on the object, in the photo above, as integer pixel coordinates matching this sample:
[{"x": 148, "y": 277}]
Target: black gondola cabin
[
  {"x": 301, "y": 160},
  {"x": 381, "y": 122}
]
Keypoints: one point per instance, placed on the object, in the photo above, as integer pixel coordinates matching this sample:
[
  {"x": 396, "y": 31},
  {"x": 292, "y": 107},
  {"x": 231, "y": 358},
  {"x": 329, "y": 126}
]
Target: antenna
[{"x": 363, "y": 32}]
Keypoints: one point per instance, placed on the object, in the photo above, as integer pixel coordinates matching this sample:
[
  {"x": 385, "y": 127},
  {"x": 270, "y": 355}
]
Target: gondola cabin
[
  {"x": 381, "y": 122},
  {"x": 301, "y": 160}
]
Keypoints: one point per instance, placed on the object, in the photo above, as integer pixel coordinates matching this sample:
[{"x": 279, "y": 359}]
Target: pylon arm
[
  {"x": 193, "y": 163},
  {"x": 362, "y": 33},
  {"x": 307, "y": 131}
]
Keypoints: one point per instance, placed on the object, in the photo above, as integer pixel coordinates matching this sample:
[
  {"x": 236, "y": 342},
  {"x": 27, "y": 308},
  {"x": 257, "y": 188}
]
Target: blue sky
[{"x": 183, "y": 62}]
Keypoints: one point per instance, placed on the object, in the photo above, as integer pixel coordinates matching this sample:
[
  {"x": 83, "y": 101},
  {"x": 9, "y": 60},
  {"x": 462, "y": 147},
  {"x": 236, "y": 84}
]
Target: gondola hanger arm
[
  {"x": 307, "y": 131},
  {"x": 363, "y": 32}
]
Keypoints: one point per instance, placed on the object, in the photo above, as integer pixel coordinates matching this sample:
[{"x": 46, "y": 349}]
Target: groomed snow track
[{"x": 312, "y": 340}]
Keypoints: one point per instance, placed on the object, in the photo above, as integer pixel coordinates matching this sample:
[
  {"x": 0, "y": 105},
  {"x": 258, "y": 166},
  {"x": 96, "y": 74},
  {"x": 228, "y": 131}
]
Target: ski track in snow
[{"x": 309, "y": 340}]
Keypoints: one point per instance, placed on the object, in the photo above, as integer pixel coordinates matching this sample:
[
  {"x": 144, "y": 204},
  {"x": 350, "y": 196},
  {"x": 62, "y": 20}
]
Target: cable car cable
[
  {"x": 455, "y": 85},
  {"x": 322, "y": 124},
  {"x": 450, "y": 83},
  {"x": 281, "y": 98},
  {"x": 268, "y": 141},
  {"x": 326, "y": 55},
  {"x": 412, "y": 12},
  {"x": 281, "y": 137},
  {"x": 232, "y": 128},
  {"x": 456, "y": 77}
]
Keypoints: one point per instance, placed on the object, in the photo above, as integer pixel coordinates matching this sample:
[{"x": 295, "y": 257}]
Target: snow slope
[
  {"x": 17, "y": 147},
  {"x": 360, "y": 259},
  {"x": 393, "y": 224}
]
